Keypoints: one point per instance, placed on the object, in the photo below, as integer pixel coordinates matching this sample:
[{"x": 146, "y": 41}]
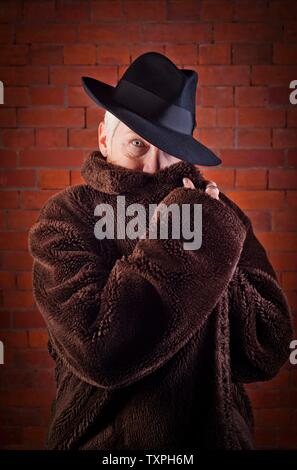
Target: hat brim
[{"x": 172, "y": 142}]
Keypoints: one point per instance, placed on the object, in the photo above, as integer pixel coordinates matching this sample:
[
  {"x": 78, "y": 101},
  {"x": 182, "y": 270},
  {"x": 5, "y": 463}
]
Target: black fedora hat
[{"x": 156, "y": 100}]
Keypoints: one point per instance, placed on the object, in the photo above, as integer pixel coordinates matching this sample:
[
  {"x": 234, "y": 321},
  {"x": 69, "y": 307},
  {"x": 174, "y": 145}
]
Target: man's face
[{"x": 132, "y": 151}]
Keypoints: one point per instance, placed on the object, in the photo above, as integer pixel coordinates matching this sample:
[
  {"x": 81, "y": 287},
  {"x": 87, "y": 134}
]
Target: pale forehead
[{"x": 126, "y": 131}]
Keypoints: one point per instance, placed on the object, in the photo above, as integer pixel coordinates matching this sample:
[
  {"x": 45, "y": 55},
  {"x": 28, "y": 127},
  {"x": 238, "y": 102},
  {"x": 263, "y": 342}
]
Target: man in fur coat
[{"x": 152, "y": 342}]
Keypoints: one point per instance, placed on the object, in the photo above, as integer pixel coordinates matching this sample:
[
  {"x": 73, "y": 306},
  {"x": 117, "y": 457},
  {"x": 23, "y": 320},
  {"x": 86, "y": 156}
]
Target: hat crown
[{"x": 156, "y": 73}]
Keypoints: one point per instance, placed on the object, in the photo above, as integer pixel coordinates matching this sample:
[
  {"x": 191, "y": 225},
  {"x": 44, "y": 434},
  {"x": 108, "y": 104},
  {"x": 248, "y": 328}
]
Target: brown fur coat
[{"x": 152, "y": 342}]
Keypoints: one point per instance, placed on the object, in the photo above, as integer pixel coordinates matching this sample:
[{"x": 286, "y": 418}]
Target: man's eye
[{"x": 139, "y": 142}]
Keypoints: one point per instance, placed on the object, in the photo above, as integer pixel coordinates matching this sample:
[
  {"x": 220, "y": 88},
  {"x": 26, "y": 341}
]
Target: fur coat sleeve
[
  {"x": 261, "y": 322},
  {"x": 115, "y": 325},
  {"x": 260, "y": 317}
]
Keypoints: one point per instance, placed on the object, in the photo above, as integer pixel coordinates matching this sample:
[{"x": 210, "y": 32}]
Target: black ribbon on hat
[{"x": 153, "y": 107}]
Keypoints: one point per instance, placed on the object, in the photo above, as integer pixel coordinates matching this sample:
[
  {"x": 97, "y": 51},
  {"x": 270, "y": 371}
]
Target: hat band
[{"x": 147, "y": 104}]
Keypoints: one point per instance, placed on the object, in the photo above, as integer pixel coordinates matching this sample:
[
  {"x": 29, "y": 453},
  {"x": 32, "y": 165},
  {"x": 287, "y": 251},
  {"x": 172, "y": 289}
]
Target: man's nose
[{"x": 152, "y": 161}]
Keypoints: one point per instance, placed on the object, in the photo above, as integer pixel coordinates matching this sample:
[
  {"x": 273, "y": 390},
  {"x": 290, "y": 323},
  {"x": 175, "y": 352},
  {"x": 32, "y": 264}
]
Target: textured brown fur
[{"x": 152, "y": 342}]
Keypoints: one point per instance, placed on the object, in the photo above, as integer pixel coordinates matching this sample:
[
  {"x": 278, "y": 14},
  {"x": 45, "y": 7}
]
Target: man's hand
[{"x": 211, "y": 188}]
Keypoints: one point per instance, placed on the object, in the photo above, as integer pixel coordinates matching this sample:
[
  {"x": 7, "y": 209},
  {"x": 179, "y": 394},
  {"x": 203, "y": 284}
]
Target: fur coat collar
[
  {"x": 152, "y": 344},
  {"x": 114, "y": 179}
]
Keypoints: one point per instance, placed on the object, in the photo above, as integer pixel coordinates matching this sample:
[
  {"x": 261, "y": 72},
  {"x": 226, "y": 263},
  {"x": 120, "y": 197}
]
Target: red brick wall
[{"x": 245, "y": 54}]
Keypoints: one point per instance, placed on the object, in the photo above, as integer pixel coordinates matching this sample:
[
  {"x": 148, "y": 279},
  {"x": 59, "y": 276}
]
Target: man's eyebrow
[
  {"x": 132, "y": 132},
  {"x": 137, "y": 135}
]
